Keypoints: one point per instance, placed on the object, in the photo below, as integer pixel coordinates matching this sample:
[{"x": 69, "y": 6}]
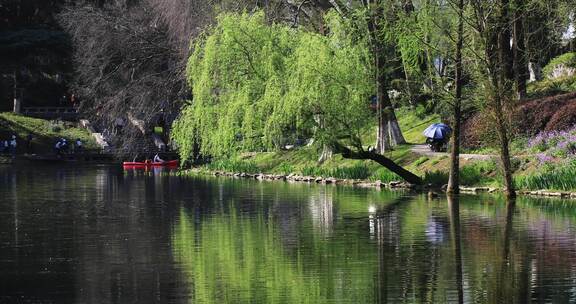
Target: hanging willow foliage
[{"x": 255, "y": 84}]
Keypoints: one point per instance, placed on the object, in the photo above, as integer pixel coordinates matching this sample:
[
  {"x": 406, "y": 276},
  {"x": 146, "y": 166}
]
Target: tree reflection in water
[{"x": 100, "y": 236}]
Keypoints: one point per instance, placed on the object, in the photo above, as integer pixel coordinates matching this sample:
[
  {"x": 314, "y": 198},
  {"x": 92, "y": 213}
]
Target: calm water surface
[{"x": 98, "y": 235}]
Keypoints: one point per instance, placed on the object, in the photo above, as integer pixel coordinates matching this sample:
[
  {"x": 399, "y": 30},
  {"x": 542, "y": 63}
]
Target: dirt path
[{"x": 425, "y": 150}]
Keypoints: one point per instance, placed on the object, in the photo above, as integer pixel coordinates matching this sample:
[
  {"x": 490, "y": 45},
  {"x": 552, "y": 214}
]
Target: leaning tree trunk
[
  {"x": 454, "y": 178},
  {"x": 380, "y": 159}
]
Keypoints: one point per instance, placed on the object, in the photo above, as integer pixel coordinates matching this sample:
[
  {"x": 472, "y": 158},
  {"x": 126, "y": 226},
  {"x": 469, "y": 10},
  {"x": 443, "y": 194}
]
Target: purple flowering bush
[{"x": 554, "y": 146}]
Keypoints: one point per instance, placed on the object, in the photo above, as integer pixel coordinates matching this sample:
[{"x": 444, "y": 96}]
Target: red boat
[{"x": 170, "y": 163}]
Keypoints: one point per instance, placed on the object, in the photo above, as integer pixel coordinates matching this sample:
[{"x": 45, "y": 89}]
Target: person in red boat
[{"x": 157, "y": 158}]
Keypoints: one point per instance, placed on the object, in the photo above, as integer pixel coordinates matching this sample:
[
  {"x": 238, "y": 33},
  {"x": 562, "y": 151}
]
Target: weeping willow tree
[{"x": 255, "y": 84}]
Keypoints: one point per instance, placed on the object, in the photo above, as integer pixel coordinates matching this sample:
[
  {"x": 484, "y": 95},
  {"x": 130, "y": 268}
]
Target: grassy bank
[
  {"x": 44, "y": 132},
  {"x": 304, "y": 161},
  {"x": 529, "y": 175}
]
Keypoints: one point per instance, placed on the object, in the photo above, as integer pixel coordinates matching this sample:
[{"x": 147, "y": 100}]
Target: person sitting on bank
[
  {"x": 157, "y": 158},
  {"x": 58, "y": 147},
  {"x": 78, "y": 145},
  {"x": 64, "y": 145}
]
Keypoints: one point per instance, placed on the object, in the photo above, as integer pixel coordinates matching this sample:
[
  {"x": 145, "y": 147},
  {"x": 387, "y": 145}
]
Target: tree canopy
[{"x": 252, "y": 82}]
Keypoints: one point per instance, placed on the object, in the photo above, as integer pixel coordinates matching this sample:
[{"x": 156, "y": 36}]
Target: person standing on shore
[
  {"x": 29, "y": 139},
  {"x": 13, "y": 145},
  {"x": 4, "y": 146},
  {"x": 78, "y": 146}
]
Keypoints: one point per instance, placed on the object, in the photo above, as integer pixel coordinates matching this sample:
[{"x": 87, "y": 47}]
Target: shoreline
[{"x": 376, "y": 185}]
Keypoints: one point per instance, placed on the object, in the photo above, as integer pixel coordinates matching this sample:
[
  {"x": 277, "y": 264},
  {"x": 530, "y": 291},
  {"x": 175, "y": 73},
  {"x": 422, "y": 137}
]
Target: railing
[{"x": 51, "y": 112}]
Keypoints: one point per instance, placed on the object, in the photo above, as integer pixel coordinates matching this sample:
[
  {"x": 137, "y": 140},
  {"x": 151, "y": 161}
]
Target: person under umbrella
[{"x": 437, "y": 136}]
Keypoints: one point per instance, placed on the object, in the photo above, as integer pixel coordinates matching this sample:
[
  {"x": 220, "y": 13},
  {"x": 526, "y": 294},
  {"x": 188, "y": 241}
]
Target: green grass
[
  {"x": 434, "y": 170},
  {"x": 436, "y": 178},
  {"x": 421, "y": 160},
  {"x": 45, "y": 132},
  {"x": 480, "y": 173},
  {"x": 360, "y": 171},
  {"x": 384, "y": 175},
  {"x": 233, "y": 165},
  {"x": 560, "y": 178},
  {"x": 411, "y": 124}
]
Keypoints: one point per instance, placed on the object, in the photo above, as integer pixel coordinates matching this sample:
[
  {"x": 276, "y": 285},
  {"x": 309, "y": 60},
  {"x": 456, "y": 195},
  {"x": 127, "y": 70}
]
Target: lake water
[{"x": 101, "y": 235}]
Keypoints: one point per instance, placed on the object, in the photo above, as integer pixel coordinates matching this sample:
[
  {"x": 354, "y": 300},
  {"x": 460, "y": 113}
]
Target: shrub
[
  {"x": 554, "y": 145},
  {"x": 567, "y": 60}
]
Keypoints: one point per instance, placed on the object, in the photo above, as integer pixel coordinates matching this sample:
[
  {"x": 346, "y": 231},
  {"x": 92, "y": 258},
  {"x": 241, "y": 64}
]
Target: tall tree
[
  {"x": 454, "y": 177},
  {"x": 520, "y": 64},
  {"x": 491, "y": 22},
  {"x": 388, "y": 129},
  {"x": 124, "y": 67},
  {"x": 256, "y": 84}
]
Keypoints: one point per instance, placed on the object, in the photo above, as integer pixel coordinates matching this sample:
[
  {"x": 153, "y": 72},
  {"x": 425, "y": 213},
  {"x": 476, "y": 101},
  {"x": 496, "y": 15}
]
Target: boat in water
[{"x": 170, "y": 163}]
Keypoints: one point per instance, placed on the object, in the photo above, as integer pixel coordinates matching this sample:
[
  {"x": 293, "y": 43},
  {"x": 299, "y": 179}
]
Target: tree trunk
[
  {"x": 454, "y": 177},
  {"x": 502, "y": 131},
  {"x": 519, "y": 47},
  {"x": 500, "y": 84},
  {"x": 381, "y": 159},
  {"x": 505, "y": 54},
  {"x": 502, "y": 89},
  {"x": 394, "y": 131},
  {"x": 382, "y": 138},
  {"x": 326, "y": 154},
  {"x": 388, "y": 130}
]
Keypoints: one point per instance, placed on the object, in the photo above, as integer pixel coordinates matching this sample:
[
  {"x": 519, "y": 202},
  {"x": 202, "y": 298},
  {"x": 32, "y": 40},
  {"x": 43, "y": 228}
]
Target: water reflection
[
  {"x": 456, "y": 235},
  {"x": 322, "y": 213},
  {"x": 99, "y": 235}
]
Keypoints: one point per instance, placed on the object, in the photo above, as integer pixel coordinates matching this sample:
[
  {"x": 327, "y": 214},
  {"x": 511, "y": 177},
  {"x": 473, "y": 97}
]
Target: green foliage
[
  {"x": 285, "y": 169},
  {"x": 253, "y": 83},
  {"x": 384, "y": 175},
  {"x": 354, "y": 172},
  {"x": 421, "y": 160},
  {"x": 558, "y": 178},
  {"x": 436, "y": 178},
  {"x": 548, "y": 87},
  {"x": 568, "y": 60},
  {"x": 233, "y": 165},
  {"x": 477, "y": 173}
]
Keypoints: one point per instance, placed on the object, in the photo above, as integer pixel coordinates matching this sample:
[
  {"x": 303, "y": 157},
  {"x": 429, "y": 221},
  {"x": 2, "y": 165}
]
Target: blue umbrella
[{"x": 438, "y": 131}]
